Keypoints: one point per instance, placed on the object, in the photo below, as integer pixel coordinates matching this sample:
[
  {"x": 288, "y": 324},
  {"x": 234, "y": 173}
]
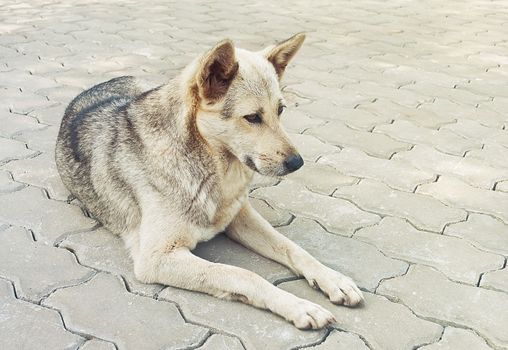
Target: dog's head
[{"x": 240, "y": 104}]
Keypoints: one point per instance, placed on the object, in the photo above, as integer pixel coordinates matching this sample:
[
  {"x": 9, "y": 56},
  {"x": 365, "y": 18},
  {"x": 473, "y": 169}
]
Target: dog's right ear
[{"x": 217, "y": 70}]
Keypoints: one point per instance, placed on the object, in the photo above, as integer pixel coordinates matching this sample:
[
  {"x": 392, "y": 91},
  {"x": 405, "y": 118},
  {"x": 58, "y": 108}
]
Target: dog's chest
[{"x": 234, "y": 185}]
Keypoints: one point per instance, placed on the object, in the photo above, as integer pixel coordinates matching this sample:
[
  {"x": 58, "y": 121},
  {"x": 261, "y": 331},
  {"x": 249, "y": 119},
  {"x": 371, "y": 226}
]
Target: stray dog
[{"x": 170, "y": 167}]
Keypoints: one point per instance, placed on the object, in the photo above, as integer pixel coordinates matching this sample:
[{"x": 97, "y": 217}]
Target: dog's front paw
[
  {"x": 339, "y": 288},
  {"x": 305, "y": 315}
]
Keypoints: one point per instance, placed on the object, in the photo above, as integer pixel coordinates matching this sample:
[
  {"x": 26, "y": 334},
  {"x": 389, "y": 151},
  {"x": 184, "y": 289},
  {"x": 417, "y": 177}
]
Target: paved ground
[{"x": 400, "y": 109}]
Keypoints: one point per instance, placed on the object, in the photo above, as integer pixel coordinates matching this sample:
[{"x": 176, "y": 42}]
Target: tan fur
[{"x": 171, "y": 167}]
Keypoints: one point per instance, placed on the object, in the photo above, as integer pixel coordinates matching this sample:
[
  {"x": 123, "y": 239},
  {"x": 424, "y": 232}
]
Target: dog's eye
[
  {"x": 253, "y": 118},
  {"x": 281, "y": 109}
]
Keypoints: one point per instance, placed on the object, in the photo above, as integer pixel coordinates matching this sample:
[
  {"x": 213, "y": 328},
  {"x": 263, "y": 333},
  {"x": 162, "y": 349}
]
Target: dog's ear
[
  {"x": 280, "y": 54},
  {"x": 217, "y": 70}
]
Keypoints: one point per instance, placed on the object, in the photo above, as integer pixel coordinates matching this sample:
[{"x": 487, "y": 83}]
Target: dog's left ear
[
  {"x": 280, "y": 54},
  {"x": 217, "y": 70}
]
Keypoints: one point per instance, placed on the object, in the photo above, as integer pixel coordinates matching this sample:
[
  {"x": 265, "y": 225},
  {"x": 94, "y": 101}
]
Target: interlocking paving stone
[
  {"x": 57, "y": 218},
  {"x": 296, "y": 121},
  {"x": 40, "y": 171},
  {"x": 321, "y": 178},
  {"x": 13, "y": 124},
  {"x": 373, "y": 319},
  {"x": 51, "y": 115},
  {"x": 257, "y": 328},
  {"x": 341, "y": 340},
  {"x": 472, "y": 129},
  {"x": 310, "y": 147},
  {"x": 24, "y": 325},
  {"x": 37, "y": 269},
  {"x": 104, "y": 251},
  {"x": 483, "y": 231},
  {"x": 139, "y": 322},
  {"x": 354, "y": 162},
  {"x": 453, "y": 256},
  {"x": 335, "y": 214},
  {"x": 43, "y": 140},
  {"x": 425, "y": 212},
  {"x": 274, "y": 216},
  {"x": 430, "y": 294},
  {"x": 360, "y": 261},
  {"x": 472, "y": 171},
  {"x": 7, "y": 184},
  {"x": 12, "y": 149},
  {"x": 457, "y": 193},
  {"x": 96, "y": 344},
  {"x": 377, "y": 145},
  {"x": 457, "y": 338},
  {"x": 443, "y": 140},
  {"x": 223, "y": 250},
  {"x": 502, "y": 186},
  {"x": 497, "y": 280},
  {"x": 221, "y": 342},
  {"x": 492, "y": 154}
]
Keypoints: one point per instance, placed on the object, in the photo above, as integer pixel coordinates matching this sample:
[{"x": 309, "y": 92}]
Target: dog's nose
[{"x": 293, "y": 162}]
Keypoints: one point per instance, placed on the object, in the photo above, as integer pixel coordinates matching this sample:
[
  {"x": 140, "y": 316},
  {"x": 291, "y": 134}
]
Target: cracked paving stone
[
  {"x": 310, "y": 147},
  {"x": 431, "y": 295},
  {"x": 258, "y": 329},
  {"x": 483, "y": 231},
  {"x": 223, "y": 250},
  {"x": 139, "y": 322},
  {"x": 443, "y": 140},
  {"x": 321, "y": 178},
  {"x": 373, "y": 319},
  {"x": 497, "y": 280},
  {"x": 104, "y": 251},
  {"x": 354, "y": 162},
  {"x": 453, "y": 256},
  {"x": 340, "y": 340},
  {"x": 43, "y": 325},
  {"x": 424, "y": 212},
  {"x": 377, "y": 145},
  {"x": 457, "y": 338},
  {"x": 358, "y": 260},
  {"x": 273, "y": 216},
  {"x": 96, "y": 344},
  {"x": 41, "y": 172},
  {"x": 13, "y": 124},
  {"x": 221, "y": 342},
  {"x": 457, "y": 193},
  {"x": 12, "y": 149},
  {"x": 56, "y": 218},
  {"x": 7, "y": 184},
  {"x": 37, "y": 269},
  {"x": 470, "y": 170},
  {"x": 337, "y": 215}
]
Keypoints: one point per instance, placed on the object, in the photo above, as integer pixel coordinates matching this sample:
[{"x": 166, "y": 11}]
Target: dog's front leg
[
  {"x": 158, "y": 261},
  {"x": 251, "y": 230}
]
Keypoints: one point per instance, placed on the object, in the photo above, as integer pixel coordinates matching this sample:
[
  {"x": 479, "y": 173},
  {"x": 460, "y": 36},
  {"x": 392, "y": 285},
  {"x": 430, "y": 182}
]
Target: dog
[{"x": 169, "y": 167}]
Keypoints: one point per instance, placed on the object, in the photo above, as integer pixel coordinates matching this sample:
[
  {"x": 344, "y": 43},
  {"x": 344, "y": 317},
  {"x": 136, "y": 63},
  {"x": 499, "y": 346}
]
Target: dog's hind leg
[
  {"x": 253, "y": 231},
  {"x": 159, "y": 262}
]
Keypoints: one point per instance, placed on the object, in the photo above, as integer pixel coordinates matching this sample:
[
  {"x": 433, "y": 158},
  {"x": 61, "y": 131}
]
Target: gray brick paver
[{"x": 387, "y": 95}]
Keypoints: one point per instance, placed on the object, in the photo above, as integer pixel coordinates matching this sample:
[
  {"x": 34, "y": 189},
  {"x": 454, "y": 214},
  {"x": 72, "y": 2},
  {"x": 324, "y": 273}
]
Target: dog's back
[{"x": 89, "y": 147}]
